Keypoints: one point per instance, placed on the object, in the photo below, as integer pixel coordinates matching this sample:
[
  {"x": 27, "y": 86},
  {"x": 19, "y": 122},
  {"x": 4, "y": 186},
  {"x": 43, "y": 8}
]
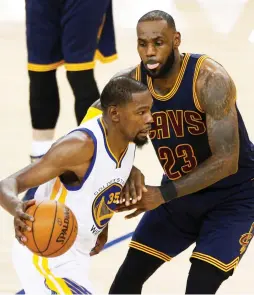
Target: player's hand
[
  {"x": 150, "y": 200},
  {"x": 19, "y": 220},
  {"x": 134, "y": 188},
  {"x": 101, "y": 241}
]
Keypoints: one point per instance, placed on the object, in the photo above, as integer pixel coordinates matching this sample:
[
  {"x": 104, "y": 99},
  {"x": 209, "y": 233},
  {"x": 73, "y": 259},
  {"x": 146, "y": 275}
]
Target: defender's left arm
[{"x": 217, "y": 94}]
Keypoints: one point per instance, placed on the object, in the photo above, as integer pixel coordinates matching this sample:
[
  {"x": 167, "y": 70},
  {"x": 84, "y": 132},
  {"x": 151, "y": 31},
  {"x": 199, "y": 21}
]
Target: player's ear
[
  {"x": 177, "y": 40},
  {"x": 113, "y": 113}
]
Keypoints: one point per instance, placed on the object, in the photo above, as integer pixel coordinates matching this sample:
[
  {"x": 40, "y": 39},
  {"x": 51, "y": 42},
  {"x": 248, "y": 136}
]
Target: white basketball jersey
[{"x": 94, "y": 201}]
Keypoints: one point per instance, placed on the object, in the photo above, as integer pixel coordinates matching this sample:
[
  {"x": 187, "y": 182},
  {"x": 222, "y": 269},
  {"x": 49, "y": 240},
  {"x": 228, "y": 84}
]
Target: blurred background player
[{"x": 73, "y": 33}]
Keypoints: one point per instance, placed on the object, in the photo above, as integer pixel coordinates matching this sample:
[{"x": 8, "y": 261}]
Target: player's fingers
[
  {"x": 20, "y": 239},
  {"x": 144, "y": 189},
  {"x": 19, "y": 236},
  {"x": 122, "y": 198},
  {"x": 125, "y": 191},
  {"x": 134, "y": 214},
  {"x": 21, "y": 225},
  {"x": 133, "y": 192},
  {"x": 24, "y": 216},
  {"x": 28, "y": 204},
  {"x": 100, "y": 247},
  {"x": 127, "y": 194},
  {"x": 139, "y": 186},
  {"x": 94, "y": 251}
]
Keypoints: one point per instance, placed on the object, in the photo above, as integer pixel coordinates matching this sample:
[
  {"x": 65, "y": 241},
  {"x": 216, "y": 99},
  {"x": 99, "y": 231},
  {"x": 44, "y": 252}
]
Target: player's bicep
[
  {"x": 36, "y": 174},
  {"x": 217, "y": 95},
  {"x": 223, "y": 134},
  {"x": 65, "y": 155}
]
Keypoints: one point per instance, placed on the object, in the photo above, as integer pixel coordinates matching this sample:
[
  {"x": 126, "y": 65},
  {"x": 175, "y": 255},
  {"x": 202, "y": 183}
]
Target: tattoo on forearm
[{"x": 217, "y": 97}]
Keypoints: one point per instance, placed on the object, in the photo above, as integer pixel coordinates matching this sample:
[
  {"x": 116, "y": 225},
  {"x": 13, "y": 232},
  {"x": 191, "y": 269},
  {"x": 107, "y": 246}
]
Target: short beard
[
  {"x": 165, "y": 70},
  {"x": 140, "y": 142}
]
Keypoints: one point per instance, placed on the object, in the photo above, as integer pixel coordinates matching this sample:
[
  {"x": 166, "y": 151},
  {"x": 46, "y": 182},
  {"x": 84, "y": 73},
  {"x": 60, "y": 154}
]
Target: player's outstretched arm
[{"x": 71, "y": 153}]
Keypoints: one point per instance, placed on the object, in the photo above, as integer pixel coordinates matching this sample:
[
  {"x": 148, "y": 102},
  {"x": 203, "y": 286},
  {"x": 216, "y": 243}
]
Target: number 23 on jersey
[{"x": 170, "y": 159}]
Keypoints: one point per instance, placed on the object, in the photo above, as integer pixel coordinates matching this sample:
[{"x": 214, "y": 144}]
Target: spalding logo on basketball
[
  {"x": 54, "y": 229},
  {"x": 64, "y": 224},
  {"x": 105, "y": 203}
]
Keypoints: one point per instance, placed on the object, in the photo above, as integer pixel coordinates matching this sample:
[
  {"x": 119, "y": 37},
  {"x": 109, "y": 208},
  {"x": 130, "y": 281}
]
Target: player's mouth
[
  {"x": 152, "y": 65},
  {"x": 145, "y": 132}
]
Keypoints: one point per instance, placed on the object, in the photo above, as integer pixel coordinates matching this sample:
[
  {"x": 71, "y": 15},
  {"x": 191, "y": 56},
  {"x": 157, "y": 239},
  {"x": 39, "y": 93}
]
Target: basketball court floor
[{"x": 223, "y": 29}]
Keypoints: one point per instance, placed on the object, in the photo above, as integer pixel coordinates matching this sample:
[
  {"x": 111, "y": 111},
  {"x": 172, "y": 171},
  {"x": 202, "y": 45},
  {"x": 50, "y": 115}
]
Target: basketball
[{"x": 54, "y": 229}]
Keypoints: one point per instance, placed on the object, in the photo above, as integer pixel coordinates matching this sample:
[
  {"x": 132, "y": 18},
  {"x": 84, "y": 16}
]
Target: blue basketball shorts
[{"x": 71, "y": 32}]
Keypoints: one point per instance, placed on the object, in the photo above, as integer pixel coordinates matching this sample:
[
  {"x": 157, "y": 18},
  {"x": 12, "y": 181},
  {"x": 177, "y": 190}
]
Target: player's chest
[{"x": 176, "y": 119}]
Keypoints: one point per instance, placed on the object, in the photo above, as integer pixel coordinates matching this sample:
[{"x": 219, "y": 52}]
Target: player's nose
[{"x": 150, "y": 51}]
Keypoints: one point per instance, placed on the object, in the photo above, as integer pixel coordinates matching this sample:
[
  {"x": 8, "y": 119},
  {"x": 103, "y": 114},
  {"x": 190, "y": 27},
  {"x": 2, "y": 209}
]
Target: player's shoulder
[
  {"x": 214, "y": 85},
  {"x": 73, "y": 149},
  {"x": 212, "y": 74},
  {"x": 76, "y": 141},
  {"x": 213, "y": 68}
]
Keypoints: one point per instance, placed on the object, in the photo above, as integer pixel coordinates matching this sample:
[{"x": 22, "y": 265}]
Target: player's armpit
[
  {"x": 216, "y": 92},
  {"x": 69, "y": 153}
]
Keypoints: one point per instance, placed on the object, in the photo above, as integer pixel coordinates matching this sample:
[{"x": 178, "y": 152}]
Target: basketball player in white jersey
[{"x": 86, "y": 170}]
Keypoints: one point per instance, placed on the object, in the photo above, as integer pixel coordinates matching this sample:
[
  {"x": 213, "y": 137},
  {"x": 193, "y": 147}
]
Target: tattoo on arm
[{"x": 217, "y": 93}]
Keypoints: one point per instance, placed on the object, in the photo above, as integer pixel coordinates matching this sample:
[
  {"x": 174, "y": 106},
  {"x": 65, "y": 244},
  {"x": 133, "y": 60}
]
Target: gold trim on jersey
[
  {"x": 138, "y": 73},
  {"x": 215, "y": 262},
  {"x": 44, "y": 68},
  {"x": 150, "y": 251},
  {"x": 196, "y": 72},
  {"x": 175, "y": 88},
  {"x": 118, "y": 162}
]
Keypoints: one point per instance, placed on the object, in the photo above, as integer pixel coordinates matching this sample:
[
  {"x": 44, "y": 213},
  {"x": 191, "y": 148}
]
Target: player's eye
[{"x": 158, "y": 43}]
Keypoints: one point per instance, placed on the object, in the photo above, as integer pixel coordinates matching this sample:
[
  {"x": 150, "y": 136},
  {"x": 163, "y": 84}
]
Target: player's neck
[
  {"x": 167, "y": 83},
  {"x": 116, "y": 142}
]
